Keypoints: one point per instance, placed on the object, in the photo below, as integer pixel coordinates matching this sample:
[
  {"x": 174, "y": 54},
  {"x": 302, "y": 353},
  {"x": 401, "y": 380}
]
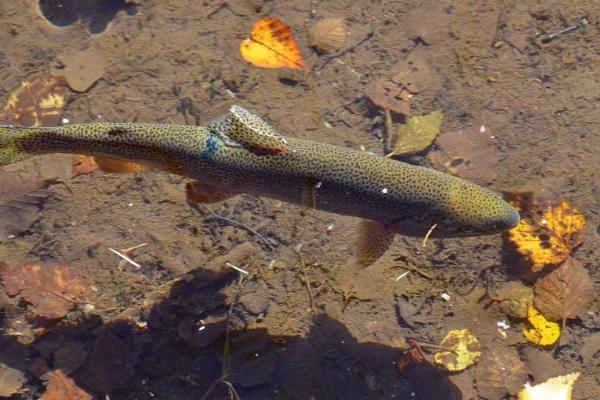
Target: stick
[
  {"x": 238, "y": 224},
  {"x": 340, "y": 53},
  {"x": 124, "y": 257}
]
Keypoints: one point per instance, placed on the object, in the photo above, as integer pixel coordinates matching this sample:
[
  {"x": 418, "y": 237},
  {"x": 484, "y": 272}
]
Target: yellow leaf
[
  {"x": 418, "y": 133},
  {"x": 272, "y": 45},
  {"x": 547, "y": 235},
  {"x": 460, "y": 349},
  {"x": 558, "y": 388},
  {"x": 544, "y": 332}
]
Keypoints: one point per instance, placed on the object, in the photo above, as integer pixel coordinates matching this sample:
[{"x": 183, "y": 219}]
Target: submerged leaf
[
  {"x": 566, "y": 292},
  {"x": 500, "y": 372},
  {"x": 272, "y": 45},
  {"x": 461, "y": 349},
  {"x": 418, "y": 133},
  {"x": 61, "y": 387},
  {"x": 544, "y": 332},
  {"x": 559, "y": 388},
  {"x": 38, "y": 102},
  {"x": 547, "y": 235},
  {"x": 53, "y": 289}
]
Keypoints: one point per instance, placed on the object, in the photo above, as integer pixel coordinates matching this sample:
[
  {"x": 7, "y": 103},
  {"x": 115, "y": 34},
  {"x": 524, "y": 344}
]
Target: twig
[
  {"x": 340, "y": 53},
  {"x": 226, "y": 365},
  {"x": 243, "y": 271},
  {"x": 311, "y": 301},
  {"x": 417, "y": 270},
  {"x": 427, "y": 235},
  {"x": 238, "y": 224},
  {"x": 387, "y": 132},
  {"x": 124, "y": 257}
]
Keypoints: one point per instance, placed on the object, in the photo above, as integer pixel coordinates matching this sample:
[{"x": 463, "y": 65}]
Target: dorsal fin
[{"x": 248, "y": 130}]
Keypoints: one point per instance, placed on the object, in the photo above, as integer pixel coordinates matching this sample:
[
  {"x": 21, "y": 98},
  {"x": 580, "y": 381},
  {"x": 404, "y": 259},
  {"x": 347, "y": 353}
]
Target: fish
[{"x": 239, "y": 152}]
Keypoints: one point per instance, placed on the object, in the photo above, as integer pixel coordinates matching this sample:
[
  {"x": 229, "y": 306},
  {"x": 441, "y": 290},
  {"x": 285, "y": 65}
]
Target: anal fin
[
  {"x": 373, "y": 240},
  {"x": 198, "y": 192}
]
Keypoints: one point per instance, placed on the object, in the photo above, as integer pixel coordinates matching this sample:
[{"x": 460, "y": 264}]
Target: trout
[{"x": 241, "y": 153}]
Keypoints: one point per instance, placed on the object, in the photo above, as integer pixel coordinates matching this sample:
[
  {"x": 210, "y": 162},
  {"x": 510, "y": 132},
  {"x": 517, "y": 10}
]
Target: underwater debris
[
  {"x": 272, "y": 45},
  {"x": 499, "y": 373},
  {"x": 61, "y": 387},
  {"x": 558, "y": 388},
  {"x": 36, "y": 102},
  {"x": 52, "y": 289},
  {"x": 417, "y": 134},
  {"x": 460, "y": 350},
  {"x": 80, "y": 69},
  {"x": 388, "y": 95},
  {"x": 544, "y": 332},
  {"x": 547, "y": 233},
  {"x": 566, "y": 292},
  {"x": 328, "y": 35}
]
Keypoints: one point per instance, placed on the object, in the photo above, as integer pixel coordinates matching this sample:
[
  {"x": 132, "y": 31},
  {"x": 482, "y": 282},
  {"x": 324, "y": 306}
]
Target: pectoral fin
[
  {"x": 248, "y": 130},
  {"x": 116, "y": 165},
  {"x": 373, "y": 240},
  {"x": 198, "y": 192}
]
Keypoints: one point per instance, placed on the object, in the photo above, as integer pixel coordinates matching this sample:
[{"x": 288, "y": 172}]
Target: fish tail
[{"x": 11, "y": 140}]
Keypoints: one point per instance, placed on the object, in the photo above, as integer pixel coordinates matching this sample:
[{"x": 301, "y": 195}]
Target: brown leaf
[
  {"x": 81, "y": 69},
  {"x": 53, "y": 289},
  {"x": 564, "y": 293},
  {"x": 110, "y": 365},
  {"x": 389, "y": 96},
  {"x": 500, "y": 372},
  {"x": 37, "y": 102},
  {"x": 61, "y": 387},
  {"x": 11, "y": 380}
]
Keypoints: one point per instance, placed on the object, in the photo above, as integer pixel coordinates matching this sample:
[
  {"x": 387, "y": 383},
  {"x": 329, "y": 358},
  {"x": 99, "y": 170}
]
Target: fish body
[{"x": 240, "y": 153}]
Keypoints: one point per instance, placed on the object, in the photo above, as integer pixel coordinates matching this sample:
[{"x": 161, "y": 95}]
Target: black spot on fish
[{"x": 117, "y": 131}]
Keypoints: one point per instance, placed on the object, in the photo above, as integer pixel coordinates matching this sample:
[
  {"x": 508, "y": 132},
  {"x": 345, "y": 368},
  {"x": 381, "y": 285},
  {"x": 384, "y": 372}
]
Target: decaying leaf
[
  {"x": 566, "y": 292},
  {"x": 418, "y": 133},
  {"x": 547, "y": 233},
  {"x": 389, "y": 95},
  {"x": 109, "y": 366},
  {"x": 39, "y": 102},
  {"x": 559, "y": 388},
  {"x": 500, "y": 372},
  {"x": 11, "y": 380},
  {"x": 81, "y": 69},
  {"x": 53, "y": 289},
  {"x": 468, "y": 153},
  {"x": 461, "y": 349},
  {"x": 514, "y": 298},
  {"x": 61, "y": 387},
  {"x": 23, "y": 190},
  {"x": 544, "y": 332},
  {"x": 272, "y": 45}
]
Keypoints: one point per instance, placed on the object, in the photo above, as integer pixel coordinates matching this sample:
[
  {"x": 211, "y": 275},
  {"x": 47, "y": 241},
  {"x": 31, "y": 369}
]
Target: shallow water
[{"x": 520, "y": 111}]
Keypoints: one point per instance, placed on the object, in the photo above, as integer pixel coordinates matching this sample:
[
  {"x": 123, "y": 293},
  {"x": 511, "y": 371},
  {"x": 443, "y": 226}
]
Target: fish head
[
  {"x": 472, "y": 210},
  {"x": 459, "y": 209}
]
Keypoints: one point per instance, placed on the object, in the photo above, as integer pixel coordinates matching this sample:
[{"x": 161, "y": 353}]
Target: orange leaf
[
  {"x": 61, "y": 387},
  {"x": 548, "y": 233},
  {"x": 272, "y": 45}
]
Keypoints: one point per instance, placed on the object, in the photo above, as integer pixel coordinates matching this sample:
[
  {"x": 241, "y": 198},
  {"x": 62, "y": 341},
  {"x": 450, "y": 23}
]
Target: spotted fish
[{"x": 240, "y": 153}]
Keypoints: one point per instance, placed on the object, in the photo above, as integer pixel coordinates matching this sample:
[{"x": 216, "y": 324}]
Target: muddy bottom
[{"x": 252, "y": 298}]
